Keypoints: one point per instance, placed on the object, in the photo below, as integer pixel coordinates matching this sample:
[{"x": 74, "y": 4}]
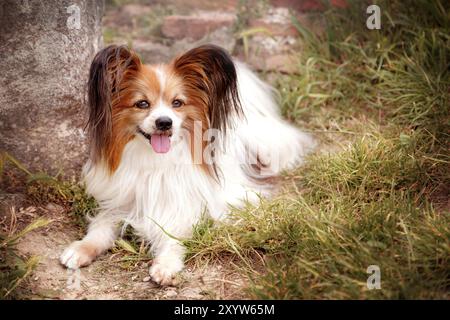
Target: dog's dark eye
[
  {"x": 142, "y": 104},
  {"x": 177, "y": 103}
]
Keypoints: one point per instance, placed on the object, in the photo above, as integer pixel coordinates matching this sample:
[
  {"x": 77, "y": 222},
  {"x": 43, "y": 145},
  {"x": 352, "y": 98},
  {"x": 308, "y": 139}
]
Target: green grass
[
  {"x": 382, "y": 197},
  {"x": 14, "y": 268},
  {"x": 41, "y": 188}
]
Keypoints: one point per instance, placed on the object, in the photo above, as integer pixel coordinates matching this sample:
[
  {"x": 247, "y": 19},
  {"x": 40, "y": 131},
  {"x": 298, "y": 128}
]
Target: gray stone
[
  {"x": 196, "y": 26},
  {"x": 222, "y": 37},
  {"x": 44, "y": 63},
  {"x": 152, "y": 52},
  {"x": 194, "y": 5},
  {"x": 10, "y": 201}
]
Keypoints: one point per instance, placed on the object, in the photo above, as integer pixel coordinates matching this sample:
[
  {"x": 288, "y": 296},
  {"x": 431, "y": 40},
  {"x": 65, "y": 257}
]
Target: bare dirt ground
[{"x": 108, "y": 277}]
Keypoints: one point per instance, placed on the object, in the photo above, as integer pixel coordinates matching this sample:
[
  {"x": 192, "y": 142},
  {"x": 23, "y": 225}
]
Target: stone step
[{"x": 196, "y": 26}]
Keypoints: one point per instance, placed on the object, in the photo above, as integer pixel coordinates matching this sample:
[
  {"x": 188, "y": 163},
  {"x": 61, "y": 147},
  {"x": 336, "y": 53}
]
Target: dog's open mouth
[{"x": 160, "y": 141}]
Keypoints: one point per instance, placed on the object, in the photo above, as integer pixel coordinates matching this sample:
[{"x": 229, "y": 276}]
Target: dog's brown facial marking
[
  {"x": 138, "y": 94},
  {"x": 200, "y": 85},
  {"x": 110, "y": 75},
  {"x": 119, "y": 86},
  {"x": 210, "y": 83}
]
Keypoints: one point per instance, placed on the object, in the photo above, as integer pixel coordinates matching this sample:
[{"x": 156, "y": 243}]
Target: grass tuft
[
  {"x": 41, "y": 188},
  {"x": 14, "y": 268}
]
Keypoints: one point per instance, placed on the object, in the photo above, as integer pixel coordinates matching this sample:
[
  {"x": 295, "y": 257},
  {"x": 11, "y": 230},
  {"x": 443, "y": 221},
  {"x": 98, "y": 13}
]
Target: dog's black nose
[{"x": 163, "y": 123}]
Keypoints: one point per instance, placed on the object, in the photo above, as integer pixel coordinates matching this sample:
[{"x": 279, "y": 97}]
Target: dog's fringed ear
[
  {"x": 108, "y": 70},
  {"x": 210, "y": 69}
]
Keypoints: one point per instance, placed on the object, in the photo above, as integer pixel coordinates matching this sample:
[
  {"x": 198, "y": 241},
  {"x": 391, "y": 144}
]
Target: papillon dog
[{"x": 172, "y": 142}]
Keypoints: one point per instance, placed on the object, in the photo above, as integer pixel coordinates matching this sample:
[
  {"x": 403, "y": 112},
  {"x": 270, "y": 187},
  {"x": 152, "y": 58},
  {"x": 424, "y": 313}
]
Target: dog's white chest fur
[{"x": 153, "y": 191}]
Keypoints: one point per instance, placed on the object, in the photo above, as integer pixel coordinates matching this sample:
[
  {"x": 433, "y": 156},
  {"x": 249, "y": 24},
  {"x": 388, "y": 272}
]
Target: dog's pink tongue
[{"x": 160, "y": 143}]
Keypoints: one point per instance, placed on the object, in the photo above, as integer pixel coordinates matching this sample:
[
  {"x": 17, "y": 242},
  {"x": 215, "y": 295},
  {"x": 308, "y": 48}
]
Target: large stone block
[
  {"x": 308, "y": 5},
  {"x": 195, "y": 26},
  {"x": 46, "y": 50}
]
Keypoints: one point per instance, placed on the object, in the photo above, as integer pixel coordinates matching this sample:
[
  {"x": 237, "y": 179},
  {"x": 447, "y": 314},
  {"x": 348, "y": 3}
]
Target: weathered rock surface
[
  {"x": 186, "y": 6},
  {"x": 44, "y": 61},
  {"x": 152, "y": 52},
  {"x": 195, "y": 26},
  {"x": 307, "y": 5}
]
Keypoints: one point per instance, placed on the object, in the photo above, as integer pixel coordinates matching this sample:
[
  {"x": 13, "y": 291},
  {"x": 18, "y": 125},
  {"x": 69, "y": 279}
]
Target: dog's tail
[{"x": 272, "y": 144}]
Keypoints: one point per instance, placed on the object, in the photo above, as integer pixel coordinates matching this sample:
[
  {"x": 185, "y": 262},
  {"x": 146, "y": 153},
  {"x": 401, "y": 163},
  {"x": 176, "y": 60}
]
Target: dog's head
[{"x": 129, "y": 100}]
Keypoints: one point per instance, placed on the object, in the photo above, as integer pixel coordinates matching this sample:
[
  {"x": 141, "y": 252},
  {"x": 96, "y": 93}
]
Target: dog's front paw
[
  {"x": 78, "y": 254},
  {"x": 164, "y": 271}
]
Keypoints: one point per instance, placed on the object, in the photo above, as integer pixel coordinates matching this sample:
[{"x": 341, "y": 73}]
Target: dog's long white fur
[{"x": 155, "y": 192}]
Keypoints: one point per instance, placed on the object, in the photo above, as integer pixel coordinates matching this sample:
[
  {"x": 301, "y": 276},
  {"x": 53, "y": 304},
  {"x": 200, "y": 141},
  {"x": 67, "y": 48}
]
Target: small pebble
[
  {"x": 146, "y": 279},
  {"x": 170, "y": 293}
]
